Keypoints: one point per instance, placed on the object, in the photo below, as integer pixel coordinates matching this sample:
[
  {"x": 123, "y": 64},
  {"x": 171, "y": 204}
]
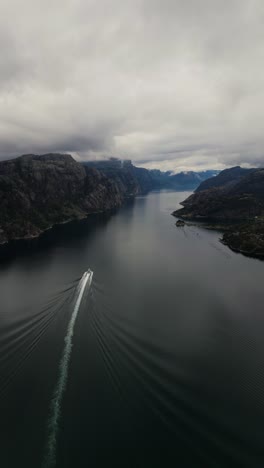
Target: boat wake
[{"x": 55, "y": 410}]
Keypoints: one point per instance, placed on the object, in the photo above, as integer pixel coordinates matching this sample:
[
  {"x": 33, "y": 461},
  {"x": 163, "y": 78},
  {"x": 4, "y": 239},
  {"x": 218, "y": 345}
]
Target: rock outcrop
[
  {"x": 37, "y": 192},
  {"x": 180, "y": 223}
]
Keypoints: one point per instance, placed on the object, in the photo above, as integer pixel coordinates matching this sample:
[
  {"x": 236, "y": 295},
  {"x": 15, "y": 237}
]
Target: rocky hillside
[
  {"x": 235, "y": 204},
  {"x": 39, "y": 191}
]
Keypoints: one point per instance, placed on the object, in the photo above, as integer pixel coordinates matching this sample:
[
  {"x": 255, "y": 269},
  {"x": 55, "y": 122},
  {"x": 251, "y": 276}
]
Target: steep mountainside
[
  {"x": 131, "y": 181},
  {"x": 237, "y": 205},
  {"x": 39, "y": 191}
]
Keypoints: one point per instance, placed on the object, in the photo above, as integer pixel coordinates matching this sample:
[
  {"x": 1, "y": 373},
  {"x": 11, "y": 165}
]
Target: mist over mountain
[
  {"x": 153, "y": 179},
  {"x": 168, "y": 84}
]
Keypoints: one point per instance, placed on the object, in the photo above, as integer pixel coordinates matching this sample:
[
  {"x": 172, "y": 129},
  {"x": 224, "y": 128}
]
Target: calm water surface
[{"x": 167, "y": 363}]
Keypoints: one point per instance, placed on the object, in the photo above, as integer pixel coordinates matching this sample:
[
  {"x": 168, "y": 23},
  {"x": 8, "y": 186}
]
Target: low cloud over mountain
[{"x": 169, "y": 84}]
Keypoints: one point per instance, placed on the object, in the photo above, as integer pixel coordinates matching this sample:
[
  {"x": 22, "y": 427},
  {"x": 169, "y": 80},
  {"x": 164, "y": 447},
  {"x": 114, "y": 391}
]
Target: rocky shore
[{"x": 247, "y": 239}]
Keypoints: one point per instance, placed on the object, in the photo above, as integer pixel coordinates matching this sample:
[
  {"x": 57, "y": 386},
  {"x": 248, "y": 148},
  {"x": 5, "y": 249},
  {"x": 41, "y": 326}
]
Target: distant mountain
[
  {"x": 234, "y": 200},
  {"x": 141, "y": 180},
  {"x": 190, "y": 180}
]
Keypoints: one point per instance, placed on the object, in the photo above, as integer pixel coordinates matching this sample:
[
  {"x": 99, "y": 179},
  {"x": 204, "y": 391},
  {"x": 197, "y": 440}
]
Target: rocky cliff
[
  {"x": 37, "y": 192},
  {"x": 233, "y": 201},
  {"x": 130, "y": 180}
]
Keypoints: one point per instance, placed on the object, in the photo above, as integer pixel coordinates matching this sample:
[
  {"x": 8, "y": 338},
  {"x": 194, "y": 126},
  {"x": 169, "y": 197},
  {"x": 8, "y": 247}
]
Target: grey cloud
[{"x": 169, "y": 84}]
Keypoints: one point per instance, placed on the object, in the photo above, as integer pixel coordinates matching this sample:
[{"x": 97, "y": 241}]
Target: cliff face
[
  {"x": 130, "y": 180},
  {"x": 234, "y": 201},
  {"x": 39, "y": 191}
]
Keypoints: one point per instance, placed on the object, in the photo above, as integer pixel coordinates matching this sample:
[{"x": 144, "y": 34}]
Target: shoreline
[
  {"x": 13, "y": 245},
  {"x": 239, "y": 232}
]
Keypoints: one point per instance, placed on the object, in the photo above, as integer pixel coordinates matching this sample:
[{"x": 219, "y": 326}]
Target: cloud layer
[{"x": 167, "y": 83}]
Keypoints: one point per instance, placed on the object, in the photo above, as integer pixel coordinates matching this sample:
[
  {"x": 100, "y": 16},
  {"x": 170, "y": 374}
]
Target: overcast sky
[{"x": 173, "y": 84}]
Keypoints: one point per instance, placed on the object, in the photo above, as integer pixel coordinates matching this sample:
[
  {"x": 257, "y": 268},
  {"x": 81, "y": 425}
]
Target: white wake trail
[{"x": 50, "y": 459}]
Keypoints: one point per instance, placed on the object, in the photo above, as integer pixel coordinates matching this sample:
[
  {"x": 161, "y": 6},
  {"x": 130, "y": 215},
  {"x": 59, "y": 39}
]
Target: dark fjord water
[{"x": 167, "y": 363}]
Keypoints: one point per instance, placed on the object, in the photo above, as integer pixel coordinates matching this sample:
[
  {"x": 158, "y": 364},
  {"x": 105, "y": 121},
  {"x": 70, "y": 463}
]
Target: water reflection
[{"x": 166, "y": 364}]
